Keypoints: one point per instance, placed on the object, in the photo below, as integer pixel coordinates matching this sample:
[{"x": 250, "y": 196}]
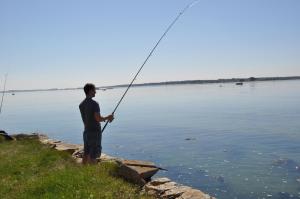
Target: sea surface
[{"x": 233, "y": 142}]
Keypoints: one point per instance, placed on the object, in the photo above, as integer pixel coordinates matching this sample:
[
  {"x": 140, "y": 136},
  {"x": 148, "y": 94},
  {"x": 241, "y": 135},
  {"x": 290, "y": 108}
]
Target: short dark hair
[{"x": 88, "y": 87}]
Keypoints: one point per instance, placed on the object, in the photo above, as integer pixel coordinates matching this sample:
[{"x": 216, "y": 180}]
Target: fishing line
[
  {"x": 3, "y": 91},
  {"x": 163, "y": 35}
]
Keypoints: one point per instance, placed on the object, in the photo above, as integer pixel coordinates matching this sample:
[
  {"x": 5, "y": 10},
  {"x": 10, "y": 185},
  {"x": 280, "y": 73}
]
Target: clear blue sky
[{"x": 66, "y": 43}]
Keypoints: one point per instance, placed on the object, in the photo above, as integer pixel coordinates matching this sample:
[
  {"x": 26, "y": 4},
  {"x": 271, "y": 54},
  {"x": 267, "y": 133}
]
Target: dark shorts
[{"x": 92, "y": 143}]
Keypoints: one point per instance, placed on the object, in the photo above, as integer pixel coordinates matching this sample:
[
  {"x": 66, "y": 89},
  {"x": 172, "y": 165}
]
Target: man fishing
[
  {"x": 90, "y": 111},
  {"x": 91, "y": 117}
]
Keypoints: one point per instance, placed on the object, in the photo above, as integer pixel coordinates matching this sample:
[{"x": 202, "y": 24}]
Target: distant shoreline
[{"x": 232, "y": 80}]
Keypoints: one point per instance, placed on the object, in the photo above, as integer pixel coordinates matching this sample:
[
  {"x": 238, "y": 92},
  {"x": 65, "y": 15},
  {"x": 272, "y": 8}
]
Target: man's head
[{"x": 89, "y": 90}]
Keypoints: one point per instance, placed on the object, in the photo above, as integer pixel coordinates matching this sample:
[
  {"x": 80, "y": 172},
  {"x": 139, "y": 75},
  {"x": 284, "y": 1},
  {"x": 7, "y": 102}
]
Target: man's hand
[{"x": 110, "y": 118}]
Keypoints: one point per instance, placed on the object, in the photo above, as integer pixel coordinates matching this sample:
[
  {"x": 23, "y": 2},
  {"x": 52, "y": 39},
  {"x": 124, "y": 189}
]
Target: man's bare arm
[{"x": 99, "y": 118}]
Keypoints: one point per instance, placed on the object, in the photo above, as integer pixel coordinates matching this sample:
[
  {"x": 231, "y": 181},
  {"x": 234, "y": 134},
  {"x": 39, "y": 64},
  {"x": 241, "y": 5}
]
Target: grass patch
[
  {"x": 31, "y": 170},
  {"x": 2, "y": 139}
]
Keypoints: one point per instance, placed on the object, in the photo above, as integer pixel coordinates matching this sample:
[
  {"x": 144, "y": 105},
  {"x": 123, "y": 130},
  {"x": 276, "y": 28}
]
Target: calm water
[{"x": 224, "y": 139}]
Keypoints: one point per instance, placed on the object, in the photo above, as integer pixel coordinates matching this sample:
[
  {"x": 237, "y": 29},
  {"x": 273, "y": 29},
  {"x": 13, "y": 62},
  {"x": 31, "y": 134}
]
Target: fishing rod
[
  {"x": 153, "y": 49},
  {"x": 3, "y": 91}
]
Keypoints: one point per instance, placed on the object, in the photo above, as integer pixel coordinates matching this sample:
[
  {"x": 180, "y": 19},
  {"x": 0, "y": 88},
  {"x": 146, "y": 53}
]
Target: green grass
[
  {"x": 31, "y": 170},
  {"x": 2, "y": 139}
]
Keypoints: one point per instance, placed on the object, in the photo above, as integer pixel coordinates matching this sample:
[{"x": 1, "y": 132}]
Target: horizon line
[{"x": 193, "y": 81}]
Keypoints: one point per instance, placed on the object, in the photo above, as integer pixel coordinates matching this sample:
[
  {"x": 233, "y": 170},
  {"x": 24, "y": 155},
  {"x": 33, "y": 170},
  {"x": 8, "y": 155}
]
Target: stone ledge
[
  {"x": 166, "y": 189},
  {"x": 136, "y": 171}
]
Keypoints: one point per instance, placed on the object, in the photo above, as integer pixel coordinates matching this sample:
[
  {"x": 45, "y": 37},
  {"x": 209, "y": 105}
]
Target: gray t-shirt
[{"x": 88, "y": 107}]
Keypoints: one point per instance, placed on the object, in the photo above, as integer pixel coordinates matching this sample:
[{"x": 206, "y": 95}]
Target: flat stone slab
[
  {"x": 130, "y": 174},
  {"x": 195, "y": 194},
  {"x": 59, "y": 145},
  {"x": 159, "y": 181},
  {"x": 45, "y": 140},
  {"x": 78, "y": 160},
  {"x": 105, "y": 157},
  {"x": 78, "y": 153},
  {"x": 140, "y": 163},
  {"x": 145, "y": 172},
  {"x": 164, "y": 188},
  {"x": 25, "y": 136},
  {"x": 160, "y": 189},
  {"x": 70, "y": 148},
  {"x": 49, "y": 141},
  {"x": 136, "y": 171},
  {"x": 175, "y": 192},
  {"x": 137, "y": 163}
]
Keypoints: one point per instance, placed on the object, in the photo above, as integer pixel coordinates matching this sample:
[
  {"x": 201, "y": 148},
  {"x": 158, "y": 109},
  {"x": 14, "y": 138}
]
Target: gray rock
[
  {"x": 5, "y": 135},
  {"x": 25, "y": 136},
  {"x": 130, "y": 174},
  {"x": 165, "y": 189},
  {"x": 105, "y": 157},
  {"x": 45, "y": 140},
  {"x": 160, "y": 189},
  {"x": 60, "y": 146},
  {"x": 195, "y": 194},
  {"x": 136, "y": 171},
  {"x": 78, "y": 160},
  {"x": 70, "y": 148},
  {"x": 175, "y": 192},
  {"x": 159, "y": 181},
  {"x": 78, "y": 153}
]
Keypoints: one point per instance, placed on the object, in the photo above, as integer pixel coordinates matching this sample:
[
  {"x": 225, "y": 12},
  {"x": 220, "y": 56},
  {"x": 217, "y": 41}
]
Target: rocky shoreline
[{"x": 135, "y": 171}]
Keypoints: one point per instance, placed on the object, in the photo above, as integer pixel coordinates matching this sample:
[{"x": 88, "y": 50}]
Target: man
[{"x": 91, "y": 117}]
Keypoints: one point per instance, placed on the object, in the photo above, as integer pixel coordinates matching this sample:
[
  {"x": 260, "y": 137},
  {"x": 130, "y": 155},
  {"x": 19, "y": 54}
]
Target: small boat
[{"x": 239, "y": 83}]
